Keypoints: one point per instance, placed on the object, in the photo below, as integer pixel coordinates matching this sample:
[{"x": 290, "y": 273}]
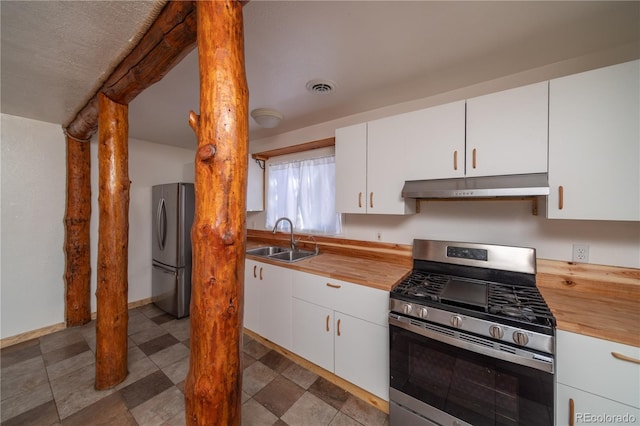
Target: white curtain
[{"x": 304, "y": 191}]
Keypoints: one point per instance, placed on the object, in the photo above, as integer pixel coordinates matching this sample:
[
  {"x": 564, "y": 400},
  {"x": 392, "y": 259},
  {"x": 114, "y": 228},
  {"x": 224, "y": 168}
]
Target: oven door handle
[{"x": 474, "y": 343}]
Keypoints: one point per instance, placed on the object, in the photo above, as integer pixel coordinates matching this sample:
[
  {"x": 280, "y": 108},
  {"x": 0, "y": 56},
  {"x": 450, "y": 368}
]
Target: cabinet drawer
[
  {"x": 360, "y": 301},
  {"x": 587, "y": 363},
  {"x": 589, "y": 408}
]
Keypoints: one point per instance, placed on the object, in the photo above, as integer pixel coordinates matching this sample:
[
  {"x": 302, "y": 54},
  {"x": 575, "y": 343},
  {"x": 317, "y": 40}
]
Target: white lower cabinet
[
  {"x": 577, "y": 407},
  {"x": 355, "y": 348},
  {"x": 361, "y": 353},
  {"x": 267, "y": 307},
  {"x": 313, "y": 333},
  {"x": 598, "y": 378}
]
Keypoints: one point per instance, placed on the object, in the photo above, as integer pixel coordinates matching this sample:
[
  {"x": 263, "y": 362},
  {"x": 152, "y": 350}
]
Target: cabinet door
[
  {"x": 252, "y": 273},
  {"x": 275, "y": 305},
  {"x": 360, "y": 301},
  {"x": 434, "y": 139},
  {"x": 587, "y": 363},
  {"x": 590, "y": 408},
  {"x": 594, "y": 144},
  {"x": 255, "y": 187},
  {"x": 507, "y": 132},
  {"x": 313, "y": 333},
  {"x": 351, "y": 169},
  {"x": 387, "y": 154},
  {"x": 362, "y": 354}
]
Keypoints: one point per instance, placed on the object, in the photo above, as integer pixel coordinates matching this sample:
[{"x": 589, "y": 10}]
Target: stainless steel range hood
[{"x": 478, "y": 187}]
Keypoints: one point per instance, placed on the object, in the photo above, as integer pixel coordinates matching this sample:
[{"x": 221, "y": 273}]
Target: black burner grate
[
  {"x": 522, "y": 303},
  {"x": 422, "y": 285},
  {"x": 512, "y": 303}
]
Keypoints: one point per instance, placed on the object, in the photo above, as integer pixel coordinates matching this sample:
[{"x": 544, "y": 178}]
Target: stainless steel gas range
[{"x": 471, "y": 338}]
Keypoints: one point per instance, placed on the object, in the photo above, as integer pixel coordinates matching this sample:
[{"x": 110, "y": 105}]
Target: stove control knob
[
  {"x": 422, "y": 313},
  {"x": 496, "y": 332},
  {"x": 520, "y": 338},
  {"x": 456, "y": 321},
  {"x": 407, "y": 308}
]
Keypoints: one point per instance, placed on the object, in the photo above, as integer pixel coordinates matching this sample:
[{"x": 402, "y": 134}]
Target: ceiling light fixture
[
  {"x": 320, "y": 86},
  {"x": 267, "y": 117}
]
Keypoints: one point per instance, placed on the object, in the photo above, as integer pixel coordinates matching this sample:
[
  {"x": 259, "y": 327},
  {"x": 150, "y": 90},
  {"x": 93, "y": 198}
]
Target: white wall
[
  {"x": 32, "y": 230},
  {"x": 497, "y": 222},
  {"x": 33, "y": 179},
  {"x": 149, "y": 164}
]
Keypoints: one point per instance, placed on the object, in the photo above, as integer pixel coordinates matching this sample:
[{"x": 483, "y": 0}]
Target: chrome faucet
[{"x": 275, "y": 227}]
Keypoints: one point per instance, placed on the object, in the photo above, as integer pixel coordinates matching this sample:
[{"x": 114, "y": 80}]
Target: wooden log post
[
  {"x": 214, "y": 382},
  {"x": 113, "y": 243},
  {"x": 77, "y": 220}
]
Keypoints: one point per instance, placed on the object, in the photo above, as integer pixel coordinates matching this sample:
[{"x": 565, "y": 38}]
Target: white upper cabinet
[
  {"x": 255, "y": 187},
  {"x": 351, "y": 169},
  {"x": 507, "y": 132},
  {"x": 594, "y": 144},
  {"x": 369, "y": 175},
  {"x": 424, "y": 144}
]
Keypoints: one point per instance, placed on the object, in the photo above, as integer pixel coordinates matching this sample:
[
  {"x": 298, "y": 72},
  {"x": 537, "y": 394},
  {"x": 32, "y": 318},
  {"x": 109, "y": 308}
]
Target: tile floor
[{"x": 49, "y": 381}]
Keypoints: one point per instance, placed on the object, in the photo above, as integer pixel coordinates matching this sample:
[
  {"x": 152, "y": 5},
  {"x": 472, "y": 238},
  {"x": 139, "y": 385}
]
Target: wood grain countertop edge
[{"x": 595, "y": 300}]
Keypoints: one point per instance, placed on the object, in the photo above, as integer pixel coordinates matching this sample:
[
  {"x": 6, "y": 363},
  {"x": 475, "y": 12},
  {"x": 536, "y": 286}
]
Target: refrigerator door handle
[
  {"x": 161, "y": 223},
  {"x": 165, "y": 270}
]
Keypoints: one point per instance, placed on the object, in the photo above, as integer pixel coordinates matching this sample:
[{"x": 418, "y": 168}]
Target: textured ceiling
[
  {"x": 379, "y": 53},
  {"x": 55, "y": 54}
]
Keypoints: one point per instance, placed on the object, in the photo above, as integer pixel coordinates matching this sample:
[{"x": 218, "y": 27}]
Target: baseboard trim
[{"x": 34, "y": 334}]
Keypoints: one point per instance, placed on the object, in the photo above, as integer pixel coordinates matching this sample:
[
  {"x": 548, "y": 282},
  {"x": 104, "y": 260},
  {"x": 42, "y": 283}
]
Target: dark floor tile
[
  {"x": 20, "y": 352},
  {"x": 45, "y": 414},
  {"x": 247, "y": 360},
  {"x": 276, "y": 361},
  {"x": 279, "y": 395},
  {"x": 329, "y": 393},
  {"x": 255, "y": 349},
  {"x": 158, "y": 344},
  {"x": 162, "y": 318},
  {"x": 145, "y": 389},
  {"x": 280, "y": 423},
  {"x": 65, "y": 352},
  {"x": 106, "y": 412}
]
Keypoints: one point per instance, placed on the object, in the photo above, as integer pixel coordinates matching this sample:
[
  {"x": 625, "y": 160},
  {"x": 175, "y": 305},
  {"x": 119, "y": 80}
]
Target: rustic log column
[
  {"x": 214, "y": 382},
  {"x": 113, "y": 242},
  {"x": 77, "y": 220}
]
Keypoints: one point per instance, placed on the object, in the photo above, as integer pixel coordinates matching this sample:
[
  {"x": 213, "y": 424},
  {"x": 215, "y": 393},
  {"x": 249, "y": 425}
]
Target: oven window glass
[{"x": 476, "y": 388}]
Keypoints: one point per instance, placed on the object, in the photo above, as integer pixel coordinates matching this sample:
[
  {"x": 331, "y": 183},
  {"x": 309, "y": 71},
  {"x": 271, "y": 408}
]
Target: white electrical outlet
[
  {"x": 379, "y": 236},
  {"x": 581, "y": 253}
]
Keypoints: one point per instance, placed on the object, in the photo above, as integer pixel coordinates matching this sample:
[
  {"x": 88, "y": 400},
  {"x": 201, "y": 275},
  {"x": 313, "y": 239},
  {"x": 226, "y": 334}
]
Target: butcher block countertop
[
  {"x": 359, "y": 270},
  {"x": 593, "y": 300}
]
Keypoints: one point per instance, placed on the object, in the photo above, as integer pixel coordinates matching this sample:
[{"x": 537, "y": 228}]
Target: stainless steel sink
[
  {"x": 292, "y": 255},
  {"x": 266, "y": 251},
  {"x": 281, "y": 254}
]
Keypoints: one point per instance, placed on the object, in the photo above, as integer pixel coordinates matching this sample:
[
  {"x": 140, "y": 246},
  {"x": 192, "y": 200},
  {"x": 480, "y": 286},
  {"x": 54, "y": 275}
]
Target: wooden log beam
[
  {"x": 113, "y": 243},
  {"x": 214, "y": 382},
  {"x": 77, "y": 222},
  {"x": 169, "y": 39}
]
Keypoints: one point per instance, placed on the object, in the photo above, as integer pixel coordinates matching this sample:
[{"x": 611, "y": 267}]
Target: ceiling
[{"x": 55, "y": 54}]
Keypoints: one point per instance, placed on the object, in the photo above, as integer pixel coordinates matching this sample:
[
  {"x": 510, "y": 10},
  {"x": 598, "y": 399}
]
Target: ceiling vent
[{"x": 320, "y": 86}]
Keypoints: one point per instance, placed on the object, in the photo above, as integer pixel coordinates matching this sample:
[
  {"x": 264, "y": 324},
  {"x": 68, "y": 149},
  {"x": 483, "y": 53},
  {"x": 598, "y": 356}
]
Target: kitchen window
[{"x": 304, "y": 191}]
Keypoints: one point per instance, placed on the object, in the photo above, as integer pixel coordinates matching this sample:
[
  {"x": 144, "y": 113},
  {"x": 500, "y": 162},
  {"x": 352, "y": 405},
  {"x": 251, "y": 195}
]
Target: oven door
[{"x": 443, "y": 376}]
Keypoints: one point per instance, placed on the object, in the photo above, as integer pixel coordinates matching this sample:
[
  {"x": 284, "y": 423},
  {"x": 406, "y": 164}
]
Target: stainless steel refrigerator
[{"x": 173, "y": 209}]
